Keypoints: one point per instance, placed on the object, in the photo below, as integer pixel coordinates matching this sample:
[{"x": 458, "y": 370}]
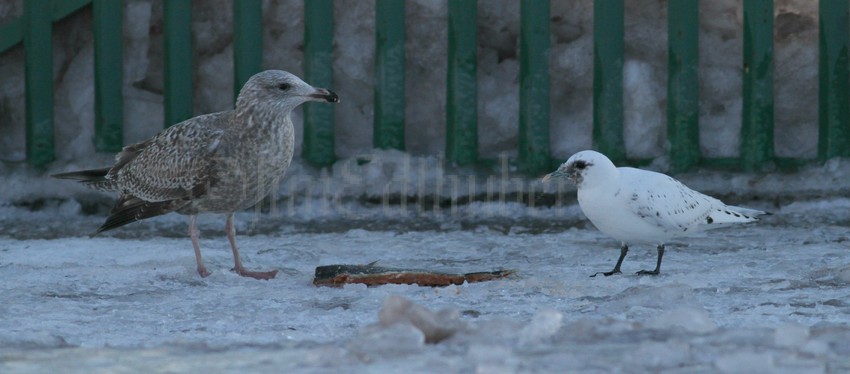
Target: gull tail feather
[
  {"x": 735, "y": 214},
  {"x": 93, "y": 178}
]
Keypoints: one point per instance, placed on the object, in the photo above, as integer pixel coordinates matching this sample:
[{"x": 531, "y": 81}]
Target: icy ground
[{"x": 773, "y": 296}]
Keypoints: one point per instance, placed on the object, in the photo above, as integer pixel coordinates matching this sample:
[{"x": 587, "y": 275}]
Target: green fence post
[
  {"x": 388, "y": 125},
  {"x": 834, "y": 80},
  {"x": 38, "y": 49},
  {"x": 462, "y": 95},
  {"x": 608, "y": 79},
  {"x": 247, "y": 41},
  {"x": 11, "y": 33},
  {"x": 683, "y": 84},
  {"x": 109, "y": 66},
  {"x": 757, "y": 121},
  {"x": 177, "y": 48},
  {"x": 64, "y": 8},
  {"x": 318, "y": 70},
  {"x": 534, "y": 87}
]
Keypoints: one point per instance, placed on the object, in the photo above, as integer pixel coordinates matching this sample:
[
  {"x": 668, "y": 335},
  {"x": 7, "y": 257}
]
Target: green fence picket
[
  {"x": 11, "y": 33},
  {"x": 64, "y": 8},
  {"x": 757, "y": 121},
  {"x": 683, "y": 84},
  {"x": 247, "y": 41},
  {"x": 608, "y": 79},
  {"x": 834, "y": 80},
  {"x": 177, "y": 50},
  {"x": 462, "y": 95},
  {"x": 534, "y": 157},
  {"x": 109, "y": 65},
  {"x": 388, "y": 125},
  {"x": 318, "y": 71},
  {"x": 38, "y": 47}
]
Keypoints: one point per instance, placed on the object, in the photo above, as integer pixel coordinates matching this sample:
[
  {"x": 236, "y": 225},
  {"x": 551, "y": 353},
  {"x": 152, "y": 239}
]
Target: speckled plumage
[
  {"x": 641, "y": 206},
  {"x": 219, "y": 163}
]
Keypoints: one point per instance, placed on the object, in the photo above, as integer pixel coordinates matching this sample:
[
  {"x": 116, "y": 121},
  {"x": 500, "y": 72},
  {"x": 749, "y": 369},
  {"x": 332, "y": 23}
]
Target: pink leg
[
  {"x": 231, "y": 235},
  {"x": 193, "y": 233}
]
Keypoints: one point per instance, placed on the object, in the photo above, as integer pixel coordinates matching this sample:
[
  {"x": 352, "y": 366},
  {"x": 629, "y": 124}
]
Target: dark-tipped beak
[
  {"x": 553, "y": 175},
  {"x": 559, "y": 174},
  {"x": 326, "y": 95}
]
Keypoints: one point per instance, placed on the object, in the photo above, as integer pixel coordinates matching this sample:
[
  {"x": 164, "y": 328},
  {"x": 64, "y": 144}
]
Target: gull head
[
  {"x": 282, "y": 89},
  {"x": 584, "y": 168}
]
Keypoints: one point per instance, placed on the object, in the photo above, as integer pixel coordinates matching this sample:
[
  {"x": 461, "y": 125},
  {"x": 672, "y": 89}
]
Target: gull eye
[
  {"x": 580, "y": 165},
  {"x": 284, "y": 86}
]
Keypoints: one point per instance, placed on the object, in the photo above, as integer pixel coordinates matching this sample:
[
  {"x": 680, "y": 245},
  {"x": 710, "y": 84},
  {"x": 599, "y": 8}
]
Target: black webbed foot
[
  {"x": 657, "y": 264},
  {"x": 607, "y": 273},
  {"x": 623, "y": 251},
  {"x": 648, "y": 272}
]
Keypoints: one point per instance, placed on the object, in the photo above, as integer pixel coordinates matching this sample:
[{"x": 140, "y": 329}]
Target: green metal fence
[
  {"x": 462, "y": 95},
  {"x": 34, "y": 30}
]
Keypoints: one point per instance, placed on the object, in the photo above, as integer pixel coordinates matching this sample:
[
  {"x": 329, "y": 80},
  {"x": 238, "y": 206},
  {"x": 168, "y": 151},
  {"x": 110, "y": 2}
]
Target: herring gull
[
  {"x": 217, "y": 163},
  {"x": 641, "y": 206}
]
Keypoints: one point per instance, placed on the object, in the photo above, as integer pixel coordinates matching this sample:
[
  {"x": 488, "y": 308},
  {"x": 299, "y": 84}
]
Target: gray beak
[
  {"x": 557, "y": 174},
  {"x": 326, "y": 95},
  {"x": 570, "y": 174}
]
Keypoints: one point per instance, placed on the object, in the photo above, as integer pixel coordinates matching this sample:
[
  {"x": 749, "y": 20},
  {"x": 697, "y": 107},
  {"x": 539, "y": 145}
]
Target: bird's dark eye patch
[
  {"x": 580, "y": 165},
  {"x": 284, "y": 86}
]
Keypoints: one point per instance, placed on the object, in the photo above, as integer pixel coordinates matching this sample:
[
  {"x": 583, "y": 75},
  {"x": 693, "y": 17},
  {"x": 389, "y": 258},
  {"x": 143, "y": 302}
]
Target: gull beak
[
  {"x": 324, "y": 94},
  {"x": 571, "y": 174},
  {"x": 553, "y": 175}
]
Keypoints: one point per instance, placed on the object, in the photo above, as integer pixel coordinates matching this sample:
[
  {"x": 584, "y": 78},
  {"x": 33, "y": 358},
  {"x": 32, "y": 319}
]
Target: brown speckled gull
[{"x": 218, "y": 163}]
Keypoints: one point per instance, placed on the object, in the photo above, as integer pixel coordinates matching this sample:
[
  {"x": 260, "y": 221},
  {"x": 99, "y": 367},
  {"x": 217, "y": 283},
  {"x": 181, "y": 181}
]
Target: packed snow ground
[{"x": 772, "y": 296}]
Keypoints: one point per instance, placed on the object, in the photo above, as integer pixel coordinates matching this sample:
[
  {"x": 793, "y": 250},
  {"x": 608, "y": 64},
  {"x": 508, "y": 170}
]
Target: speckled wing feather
[
  {"x": 172, "y": 164},
  {"x": 672, "y": 206},
  {"x": 165, "y": 173},
  {"x": 130, "y": 209},
  {"x": 667, "y": 203}
]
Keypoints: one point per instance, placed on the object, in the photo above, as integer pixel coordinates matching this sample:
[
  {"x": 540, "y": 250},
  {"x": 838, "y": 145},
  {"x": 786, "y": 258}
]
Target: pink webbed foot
[{"x": 261, "y": 275}]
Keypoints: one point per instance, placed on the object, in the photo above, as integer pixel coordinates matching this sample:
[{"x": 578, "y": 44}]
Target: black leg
[
  {"x": 657, "y": 265},
  {"x": 623, "y": 251}
]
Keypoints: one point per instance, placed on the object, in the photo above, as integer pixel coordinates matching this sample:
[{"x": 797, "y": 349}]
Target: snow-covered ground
[{"x": 772, "y": 296}]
